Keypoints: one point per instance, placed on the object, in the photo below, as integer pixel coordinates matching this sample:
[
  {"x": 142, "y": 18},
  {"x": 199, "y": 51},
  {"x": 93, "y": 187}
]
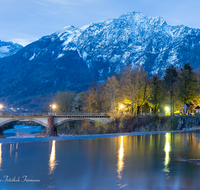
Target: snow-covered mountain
[
  {"x": 133, "y": 39},
  {"x": 74, "y": 56},
  {"x": 8, "y": 48}
]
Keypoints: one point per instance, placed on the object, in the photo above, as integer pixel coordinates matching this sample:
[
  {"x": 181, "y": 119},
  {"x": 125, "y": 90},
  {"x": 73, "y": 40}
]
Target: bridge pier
[
  {"x": 51, "y": 129},
  {"x": 1, "y": 133}
]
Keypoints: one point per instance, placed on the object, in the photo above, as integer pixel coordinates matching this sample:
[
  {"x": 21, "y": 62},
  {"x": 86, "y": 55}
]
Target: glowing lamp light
[
  {"x": 1, "y": 106},
  {"x": 53, "y": 106},
  {"x": 121, "y": 106},
  {"x": 166, "y": 109}
]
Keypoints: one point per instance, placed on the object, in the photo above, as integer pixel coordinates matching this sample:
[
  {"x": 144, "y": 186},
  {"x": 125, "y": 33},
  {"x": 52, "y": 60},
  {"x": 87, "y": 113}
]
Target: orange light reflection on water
[
  {"x": 52, "y": 161},
  {"x": 120, "y": 164},
  {"x": 167, "y": 150},
  {"x": 0, "y": 155},
  {"x": 11, "y": 148}
]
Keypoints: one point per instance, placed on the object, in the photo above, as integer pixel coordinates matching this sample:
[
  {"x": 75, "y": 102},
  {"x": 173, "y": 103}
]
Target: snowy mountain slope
[
  {"x": 73, "y": 57},
  {"x": 8, "y": 48},
  {"x": 135, "y": 39}
]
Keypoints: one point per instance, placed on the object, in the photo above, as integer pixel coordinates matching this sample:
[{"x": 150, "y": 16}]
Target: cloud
[{"x": 23, "y": 41}]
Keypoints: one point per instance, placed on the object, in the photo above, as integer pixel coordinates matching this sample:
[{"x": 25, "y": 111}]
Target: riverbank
[
  {"x": 125, "y": 124},
  {"x": 32, "y": 138}
]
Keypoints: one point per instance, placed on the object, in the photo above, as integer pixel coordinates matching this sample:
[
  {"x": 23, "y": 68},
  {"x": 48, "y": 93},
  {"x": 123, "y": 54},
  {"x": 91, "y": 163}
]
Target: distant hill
[{"x": 8, "y": 48}]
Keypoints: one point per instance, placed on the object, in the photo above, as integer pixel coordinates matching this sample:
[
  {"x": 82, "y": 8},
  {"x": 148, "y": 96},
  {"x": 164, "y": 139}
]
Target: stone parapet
[{"x": 188, "y": 122}]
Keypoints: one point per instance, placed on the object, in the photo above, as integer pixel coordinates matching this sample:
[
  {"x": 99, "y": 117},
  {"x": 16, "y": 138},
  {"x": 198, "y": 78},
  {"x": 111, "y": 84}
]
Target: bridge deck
[
  {"x": 85, "y": 116},
  {"x": 28, "y": 115}
]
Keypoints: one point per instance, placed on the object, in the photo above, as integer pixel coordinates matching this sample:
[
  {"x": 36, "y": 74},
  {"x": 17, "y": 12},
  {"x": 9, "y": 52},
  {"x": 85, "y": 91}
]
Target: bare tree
[
  {"x": 64, "y": 101},
  {"x": 110, "y": 94},
  {"x": 170, "y": 81},
  {"x": 78, "y": 102},
  {"x": 155, "y": 97},
  {"x": 91, "y": 100},
  {"x": 135, "y": 86}
]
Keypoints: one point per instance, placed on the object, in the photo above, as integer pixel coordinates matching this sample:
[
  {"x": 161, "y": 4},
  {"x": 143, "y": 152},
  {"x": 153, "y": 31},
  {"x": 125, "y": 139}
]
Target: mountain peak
[{"x": 139, "y": 17}]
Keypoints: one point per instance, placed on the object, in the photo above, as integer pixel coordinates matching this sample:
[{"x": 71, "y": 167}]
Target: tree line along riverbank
[{"x": 135, "y": 92}]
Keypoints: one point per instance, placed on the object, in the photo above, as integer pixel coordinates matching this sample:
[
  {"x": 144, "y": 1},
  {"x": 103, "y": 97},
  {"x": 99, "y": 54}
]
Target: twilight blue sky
[{"x": 24, "y": 21}]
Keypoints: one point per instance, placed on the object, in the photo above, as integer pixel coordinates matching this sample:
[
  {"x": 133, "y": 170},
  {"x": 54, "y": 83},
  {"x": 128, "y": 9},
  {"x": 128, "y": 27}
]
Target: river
[
  {"x": 147, "y": 162},
  {"x": 19, "y": 130}
]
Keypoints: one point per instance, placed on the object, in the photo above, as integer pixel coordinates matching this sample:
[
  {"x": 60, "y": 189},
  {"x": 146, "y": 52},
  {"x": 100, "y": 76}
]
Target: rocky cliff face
[{"x": 72, "y": 57}]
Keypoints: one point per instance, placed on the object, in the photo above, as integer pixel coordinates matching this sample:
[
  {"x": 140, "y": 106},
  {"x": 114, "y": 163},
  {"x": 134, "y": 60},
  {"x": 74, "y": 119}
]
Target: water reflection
[
  {"x": 120, "y": 164},
  {"x": 52, "y": 160},
  {"x": 16, "y": 155},
  {"x": 167, "y": 150},
  {"x": 11, "y": 150},
  {"x": 0, "y": 155},
  {"x": 151, "y": 141},
  {"x": 106, "y": 163}
]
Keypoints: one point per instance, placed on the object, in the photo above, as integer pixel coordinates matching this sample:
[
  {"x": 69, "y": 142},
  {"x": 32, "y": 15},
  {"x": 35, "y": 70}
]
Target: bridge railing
[
  {"x": 51, "y": 113},
  {"x": 81, "y": 113},
  {"x": 22, "y": 114}
]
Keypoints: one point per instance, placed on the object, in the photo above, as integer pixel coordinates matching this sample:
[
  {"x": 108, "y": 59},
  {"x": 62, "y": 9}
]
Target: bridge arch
[
  {"x": 2, "y": 124},
  {"x": 73, "y": 119}
]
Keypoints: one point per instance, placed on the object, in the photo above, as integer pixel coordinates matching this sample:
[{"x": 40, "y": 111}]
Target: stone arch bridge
[{"x": 51, "y": 122}]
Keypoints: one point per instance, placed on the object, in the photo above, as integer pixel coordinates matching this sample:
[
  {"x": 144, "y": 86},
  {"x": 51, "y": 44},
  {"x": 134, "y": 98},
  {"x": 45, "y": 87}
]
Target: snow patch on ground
[
  {"x": 115, "y": 58},
  {"x": 155, "y": 71},
  {"x": 85, "y": 56},
  {"x": 109, "y": 69},
  {"x": 69, "y": 39},
  {"x": 84, "y": 27},
  {"x": 60, "y": 55},
  {"x": 88, "y": 64},
  {"x": 4, "y": 49},
  {"x": 33, "y": 56},
  {"x": 71, "y": 48},
  {"x": 100, "y": 72}
]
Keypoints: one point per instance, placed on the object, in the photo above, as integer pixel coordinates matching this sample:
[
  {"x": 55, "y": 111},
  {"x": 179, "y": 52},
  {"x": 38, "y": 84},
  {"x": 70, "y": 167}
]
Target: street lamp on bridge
[
  {"x": 52, "y": 108},
  {"x": 1, "y": 107}
]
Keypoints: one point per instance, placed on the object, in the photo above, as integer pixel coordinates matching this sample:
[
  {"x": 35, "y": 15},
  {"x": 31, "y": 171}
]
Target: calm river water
[
  {"x": 133, "y": 162},
  {"x": 19, "y": 130}
]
